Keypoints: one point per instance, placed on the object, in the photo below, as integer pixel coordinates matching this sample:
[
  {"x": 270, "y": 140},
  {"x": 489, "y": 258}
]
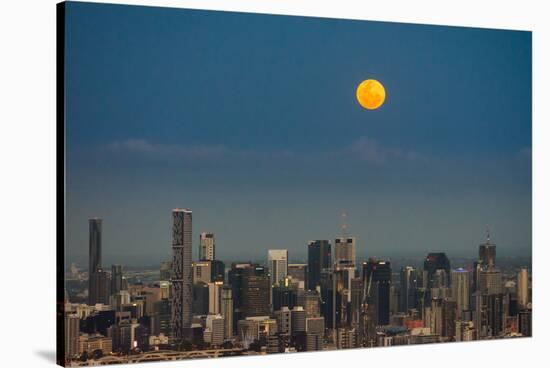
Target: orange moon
[{"x": 371, "y": 94}]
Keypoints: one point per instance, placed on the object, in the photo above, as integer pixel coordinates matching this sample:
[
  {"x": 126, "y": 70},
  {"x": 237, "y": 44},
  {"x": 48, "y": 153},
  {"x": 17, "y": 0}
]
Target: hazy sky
[{"x": 251, "y": 121}]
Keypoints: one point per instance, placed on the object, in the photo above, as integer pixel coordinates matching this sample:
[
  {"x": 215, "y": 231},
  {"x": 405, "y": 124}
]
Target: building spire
[
  {"x": 344, "y": 225},
  {"x": 488, "y": 233}
]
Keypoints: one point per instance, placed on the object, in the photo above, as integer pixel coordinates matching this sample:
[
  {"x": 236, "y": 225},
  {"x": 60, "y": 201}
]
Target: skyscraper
[
  {"x": 182, "y": 282},
  {"x": 94, "y": 259},
  {"x": 277, "y": 261},
  {"x": 377, "y": 277},
  {"x": 344, "y": 252},
  {"x": 407, "y": 297},
  {"x": 432, "y": 263},
  {"x": 298, "y": 273},
  {"x": 116, "y": 279},
  {"x": 255, "y": 295},
  {"x": 207, "y": 247},
  {"x": 523, "y": 288},
  {"x": 490, "y": 281},
  {"x": 227, "y": 311},
  {"x": 461, "y": 289},
  {"x": 72, "y": 330},
  {"x": 235, "y": 277},
  {"x": 487, "y": 252},
  {"x": 318, "y": 259}
]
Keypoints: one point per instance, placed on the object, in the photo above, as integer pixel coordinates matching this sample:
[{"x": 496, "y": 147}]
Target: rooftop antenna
[
  {"x": 488, "y": 233},
  {"x": 344, "y": 225}
]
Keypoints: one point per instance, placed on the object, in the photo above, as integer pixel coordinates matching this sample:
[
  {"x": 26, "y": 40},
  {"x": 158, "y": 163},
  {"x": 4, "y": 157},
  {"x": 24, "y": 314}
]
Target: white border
[{"x": 27, "y": 195}]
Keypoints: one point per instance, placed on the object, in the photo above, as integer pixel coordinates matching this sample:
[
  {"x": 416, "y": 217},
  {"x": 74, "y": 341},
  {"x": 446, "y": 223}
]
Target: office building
[
  {"x": 487, "y": 252},
  {"x": 207, "y": 247},
  {"x": 116, "y": 279},
  {"x": 310, "y": 301},
  {"x": 202, "y": 272},
  {"x": 255, "y": 290},
  {"x": 214, "y": 297},
  {"x": 227, "y": 311},
  {"x": 523, "y": 288},
  {"x": 318, "y": 259},
  {"x": 277, "y": 261},
  {"x": 72, "y": 331},
  {"x": 490, "y": 281},
  {"x": 433, "y": 263},
  {"x": 460, "y": 286},
  {"x": 166, "y": 271},
  {"x": 94, "y": 260},
  {"x": 344, "y": 252},
  {"x": 298, "y": 274},
  {"x": 182, "y": 282},
  {"x": 284, "y": 321},
  {"x": 377, "y": 277},
  {"x": 216, "y": 325},
  {"x": 407, "y": 295}
]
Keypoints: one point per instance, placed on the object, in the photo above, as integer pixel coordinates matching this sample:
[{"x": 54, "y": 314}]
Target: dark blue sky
[{"x": 251, "y": 121}]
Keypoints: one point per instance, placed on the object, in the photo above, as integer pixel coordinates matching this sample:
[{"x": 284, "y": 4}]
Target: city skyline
[{"x": 249, "y": 184}]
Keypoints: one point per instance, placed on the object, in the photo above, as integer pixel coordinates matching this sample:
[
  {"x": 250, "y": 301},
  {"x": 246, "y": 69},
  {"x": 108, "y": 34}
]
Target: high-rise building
[
  {"x": 72, "y": 331},
  {"x": 310, "y": 301},
  {"x": 116, "y": 279},
  {"x": 227, "y": 311},
  {"x": 283, "y": 317},
  {"x": 162, "y": 316},
  {"x": 318, "y": 259},
  {"x": 255, "y": 290},
  {"x": 182, "y": 281},
  {"x": 94, "y": 259},
  {"x": 214, "y": 297},
  {"x": 298, "y": 274},
  {"x": 298, "y": 320},
  {"x": 235, "y": 276},
  {"x": 461, "y": 289},
  {"x": 490, "y": 281},
  {"x": 315, "y": 330},
  {"x": 99, "y": 287},
  {"x": 207, "y": 247},
  {"x": 201, "y": 296},
  {"x": 433, "y": 263},
  {"x": 284, "y": 295},
  {"x": 277, "y": 261},
  {"x": 166, "y": 271},
  {"x": 407, "y": 296},
  {"x": 487, "y": 252},
  {"x": 217, "y": 269},
  {"x": 377, "y": 277},
  {"x": 523, "y": 288},
  {"x": 202, "y": 272},
  {"x": 357, "y": 296},
  {"x": 344, "y": 252},
  {"x": 215, "y": 324}
]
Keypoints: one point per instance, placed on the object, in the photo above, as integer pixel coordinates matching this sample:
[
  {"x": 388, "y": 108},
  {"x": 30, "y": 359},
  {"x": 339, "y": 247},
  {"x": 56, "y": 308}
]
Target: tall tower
[
  {"x": 344, "y": 252},
  {"x": 94, "y": 260},
  {"x": 182, "y": 282},
  {"x": 227, "y": 311},
  {"x": 461, "y": 289},
  {"x": 523, "y": 288},
  {"x": 488, "y": 251},
  {"x": 207, "y": 247},
  {"x": 277, "y": 261},
  {"x": 318, "y": 259},
  {"x": 408, "y": 278},
  {"x": 116, "y": 278}
]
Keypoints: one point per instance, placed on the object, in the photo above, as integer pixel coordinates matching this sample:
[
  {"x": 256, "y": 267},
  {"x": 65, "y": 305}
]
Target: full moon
[{"x": 371, "y": 94}]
